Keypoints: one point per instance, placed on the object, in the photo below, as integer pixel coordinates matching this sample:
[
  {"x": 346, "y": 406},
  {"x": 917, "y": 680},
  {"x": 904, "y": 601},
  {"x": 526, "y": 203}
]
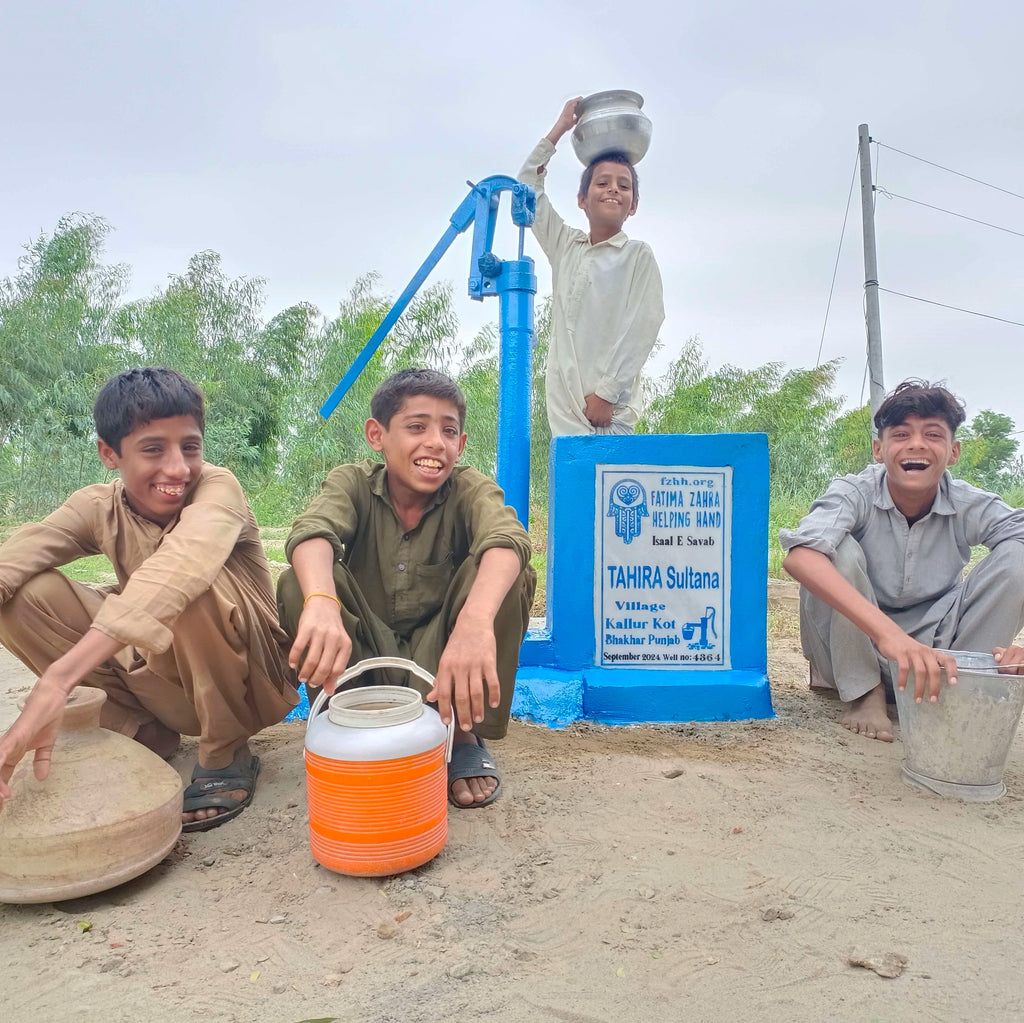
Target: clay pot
[{"x": 109, "y": 810}]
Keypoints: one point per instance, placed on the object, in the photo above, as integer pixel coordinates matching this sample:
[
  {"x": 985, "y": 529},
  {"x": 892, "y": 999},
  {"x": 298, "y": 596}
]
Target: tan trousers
[
  {"x": 372, "y": 637},
  {"x": 201, "y": 685}
]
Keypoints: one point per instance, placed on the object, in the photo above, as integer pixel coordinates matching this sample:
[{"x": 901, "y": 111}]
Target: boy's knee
[
  {"x": 521, "y": 593},
  {"x": 1002, "y": 570},
  {"x": 289, "y": 601},
  {"x": 43, "y": 590},
  {"x": 528, "y": 581},
  {"x": 849, "y": 559},
  {"x": 1008, "y": 558},
  {"x": 46, "y": 587}
]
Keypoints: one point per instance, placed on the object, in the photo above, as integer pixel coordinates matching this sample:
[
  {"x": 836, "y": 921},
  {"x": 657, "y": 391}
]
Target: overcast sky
[{"x": 310, "y": 142}]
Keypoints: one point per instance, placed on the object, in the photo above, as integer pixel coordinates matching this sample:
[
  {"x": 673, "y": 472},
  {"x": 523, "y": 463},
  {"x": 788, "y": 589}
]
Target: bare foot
[
  {"x": 466, "y": 791},
  {"x": 162, "y": 740},
  {"x": 867, "y": 716},
  {"x": 204, "y": 815}
]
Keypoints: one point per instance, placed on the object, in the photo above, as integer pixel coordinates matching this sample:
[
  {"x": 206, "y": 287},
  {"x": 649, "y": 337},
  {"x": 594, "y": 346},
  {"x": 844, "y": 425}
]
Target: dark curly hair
[{"x": 922, "y": 399}]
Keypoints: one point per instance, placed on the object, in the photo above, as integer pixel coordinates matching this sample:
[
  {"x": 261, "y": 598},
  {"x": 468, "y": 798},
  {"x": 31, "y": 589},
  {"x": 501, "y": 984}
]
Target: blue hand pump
[{"x": 515, "y": 284}]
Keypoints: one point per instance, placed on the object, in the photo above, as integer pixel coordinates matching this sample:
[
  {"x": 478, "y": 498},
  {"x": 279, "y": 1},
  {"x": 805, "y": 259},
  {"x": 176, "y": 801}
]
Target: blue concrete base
[
  {"x": 556, "y": 698},
  {"x": 563, "y": 676},
  {"x": 548, "y": 696},
  {"x": 623, "y": 696},
  {"x": 626, "y": 697}
]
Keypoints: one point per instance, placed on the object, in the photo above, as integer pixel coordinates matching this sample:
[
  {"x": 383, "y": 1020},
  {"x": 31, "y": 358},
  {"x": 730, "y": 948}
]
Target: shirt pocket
[{"x": 430, "y": 585}]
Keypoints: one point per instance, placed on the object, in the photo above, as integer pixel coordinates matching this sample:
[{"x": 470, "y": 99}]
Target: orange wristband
[{"x": 329, "y": 596}]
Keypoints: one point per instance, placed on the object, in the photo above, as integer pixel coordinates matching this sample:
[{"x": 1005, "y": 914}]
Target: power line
[
  {"x": 960, "y": 174},
  {"x": 835, "y": 269},
  {"x": 962, "y": 216},
  {"x": 959, "y": 309}
]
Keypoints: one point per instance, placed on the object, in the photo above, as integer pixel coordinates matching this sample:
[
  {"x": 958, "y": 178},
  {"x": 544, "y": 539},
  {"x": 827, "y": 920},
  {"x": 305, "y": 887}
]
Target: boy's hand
[
  {"x": 926, "y": 663},
  {"x": 321, "y": 635},
  {"x": 468, "y": 664},
  {"x": 566, "y": 121},
  {"x": 598, "y": 411},
  {"x": 35, "y": 728},
  {"x": 1010, "y": 659}
]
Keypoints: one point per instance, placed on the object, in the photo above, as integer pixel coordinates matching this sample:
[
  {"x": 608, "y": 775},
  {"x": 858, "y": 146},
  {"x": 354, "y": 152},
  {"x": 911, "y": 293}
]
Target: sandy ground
[{"x": 690, "y": 872}]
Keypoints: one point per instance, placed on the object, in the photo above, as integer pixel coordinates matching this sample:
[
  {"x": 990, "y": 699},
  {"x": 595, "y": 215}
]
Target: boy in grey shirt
[{"x": 880, "y": 559}]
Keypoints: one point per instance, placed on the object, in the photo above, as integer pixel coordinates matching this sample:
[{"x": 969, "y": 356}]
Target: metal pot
[{"x": 611, "y": 122}]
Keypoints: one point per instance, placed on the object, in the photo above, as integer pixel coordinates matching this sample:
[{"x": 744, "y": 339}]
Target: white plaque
[{"x": 662, "y": 567}]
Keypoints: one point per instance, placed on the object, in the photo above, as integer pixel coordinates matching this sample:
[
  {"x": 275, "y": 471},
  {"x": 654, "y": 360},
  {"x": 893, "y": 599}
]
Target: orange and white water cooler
[{"x": 376, "y": 776}]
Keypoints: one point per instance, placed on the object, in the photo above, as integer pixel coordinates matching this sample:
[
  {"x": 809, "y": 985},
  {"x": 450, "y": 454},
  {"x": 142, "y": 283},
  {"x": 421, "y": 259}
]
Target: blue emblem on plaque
[
  {"x": 702, "y": 627},
  {"x": 627, "y": 505}
]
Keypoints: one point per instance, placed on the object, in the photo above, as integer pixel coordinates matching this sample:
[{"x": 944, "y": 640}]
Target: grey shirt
[{"x": 907, "y": 565}]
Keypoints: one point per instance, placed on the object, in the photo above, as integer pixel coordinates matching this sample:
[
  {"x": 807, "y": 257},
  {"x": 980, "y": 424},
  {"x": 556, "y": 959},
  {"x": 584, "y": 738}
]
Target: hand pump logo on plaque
[{"x": 662, "y": 586}]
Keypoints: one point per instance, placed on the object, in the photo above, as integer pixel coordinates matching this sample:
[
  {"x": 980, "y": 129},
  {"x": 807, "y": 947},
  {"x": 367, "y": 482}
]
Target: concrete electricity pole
[{"x": 871, "y": 317}]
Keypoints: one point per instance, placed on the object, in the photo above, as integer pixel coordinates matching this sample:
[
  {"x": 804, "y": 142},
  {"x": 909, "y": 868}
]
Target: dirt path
[{"x": 651, "y": 874}]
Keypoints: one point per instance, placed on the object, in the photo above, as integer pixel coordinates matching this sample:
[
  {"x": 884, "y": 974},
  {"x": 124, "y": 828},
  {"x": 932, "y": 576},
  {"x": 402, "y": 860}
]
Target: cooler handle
[{"x": 368, "y": 664}]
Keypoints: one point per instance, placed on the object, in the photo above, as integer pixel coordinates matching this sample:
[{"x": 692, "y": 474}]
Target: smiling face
[
  {"x": 159, "y": 463},
  {"x": 609, "y": 200},
  {"x": 916, "y": 453},
  {"x": 421, "y": 445}
]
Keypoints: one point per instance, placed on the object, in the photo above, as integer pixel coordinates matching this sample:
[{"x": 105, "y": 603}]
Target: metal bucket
[
  {"x": 610, "y": 122},
  {"x": 959, "y": 745}
]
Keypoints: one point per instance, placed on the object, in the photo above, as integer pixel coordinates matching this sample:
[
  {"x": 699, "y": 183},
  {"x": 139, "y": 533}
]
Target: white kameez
[{"x": 606, "y": 311}]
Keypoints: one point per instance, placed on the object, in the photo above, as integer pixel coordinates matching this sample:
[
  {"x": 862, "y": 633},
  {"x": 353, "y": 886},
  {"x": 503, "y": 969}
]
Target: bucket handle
[{"x": 368, "y": 664}]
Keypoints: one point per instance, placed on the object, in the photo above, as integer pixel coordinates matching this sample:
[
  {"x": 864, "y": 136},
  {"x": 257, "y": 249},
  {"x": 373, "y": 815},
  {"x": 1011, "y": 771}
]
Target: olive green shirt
[{"x": 404, "y": 574}]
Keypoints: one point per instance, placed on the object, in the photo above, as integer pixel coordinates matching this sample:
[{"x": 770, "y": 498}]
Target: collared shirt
[
  {"x": 404, "y": 573},
  {"x": 907, "y": 565},
  {"x": 607, "y": 307},
  {"x": 160, "y": 569}
]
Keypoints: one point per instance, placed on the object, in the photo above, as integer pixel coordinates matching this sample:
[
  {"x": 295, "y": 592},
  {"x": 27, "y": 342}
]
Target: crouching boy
[
  {"x": 421, "y": 558},
  {"x": 880, "y": 560},
  {"x": 187, "y": 641}
]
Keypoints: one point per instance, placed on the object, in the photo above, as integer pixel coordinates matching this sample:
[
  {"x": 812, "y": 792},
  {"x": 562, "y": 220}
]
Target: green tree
[
  {"x": 850, "y": 441},
  {"x": 425, "y": 335},
  {"x": 211, "y": 329},
  {"x": 987, "y": 452},
  {"x": 795, "y": 408},
  {"x": 56, "y": 348}
]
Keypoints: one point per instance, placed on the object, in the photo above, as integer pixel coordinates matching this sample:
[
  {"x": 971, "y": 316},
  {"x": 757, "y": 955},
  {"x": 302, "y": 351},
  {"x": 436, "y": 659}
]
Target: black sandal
[
  {"x": 209, "y": 785},
  {"x": 472, "y": 760}
]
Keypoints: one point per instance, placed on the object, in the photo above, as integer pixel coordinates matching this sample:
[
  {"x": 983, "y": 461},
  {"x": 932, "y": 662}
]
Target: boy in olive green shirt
[{"x": 419, "y": 558}]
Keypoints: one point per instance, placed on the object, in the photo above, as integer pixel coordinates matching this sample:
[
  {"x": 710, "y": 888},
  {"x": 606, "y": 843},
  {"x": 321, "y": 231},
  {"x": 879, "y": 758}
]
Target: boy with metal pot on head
[
  {"x": 416, "y": 557},
  {"x": 607, "y": 301},
  {"x": 187, "y": 641},
  {"x": 880, "y": 559}
]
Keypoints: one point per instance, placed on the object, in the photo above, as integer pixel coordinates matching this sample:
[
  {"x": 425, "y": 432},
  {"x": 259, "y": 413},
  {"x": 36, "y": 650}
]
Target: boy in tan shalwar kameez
[{"x": 188, "y": 640}]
